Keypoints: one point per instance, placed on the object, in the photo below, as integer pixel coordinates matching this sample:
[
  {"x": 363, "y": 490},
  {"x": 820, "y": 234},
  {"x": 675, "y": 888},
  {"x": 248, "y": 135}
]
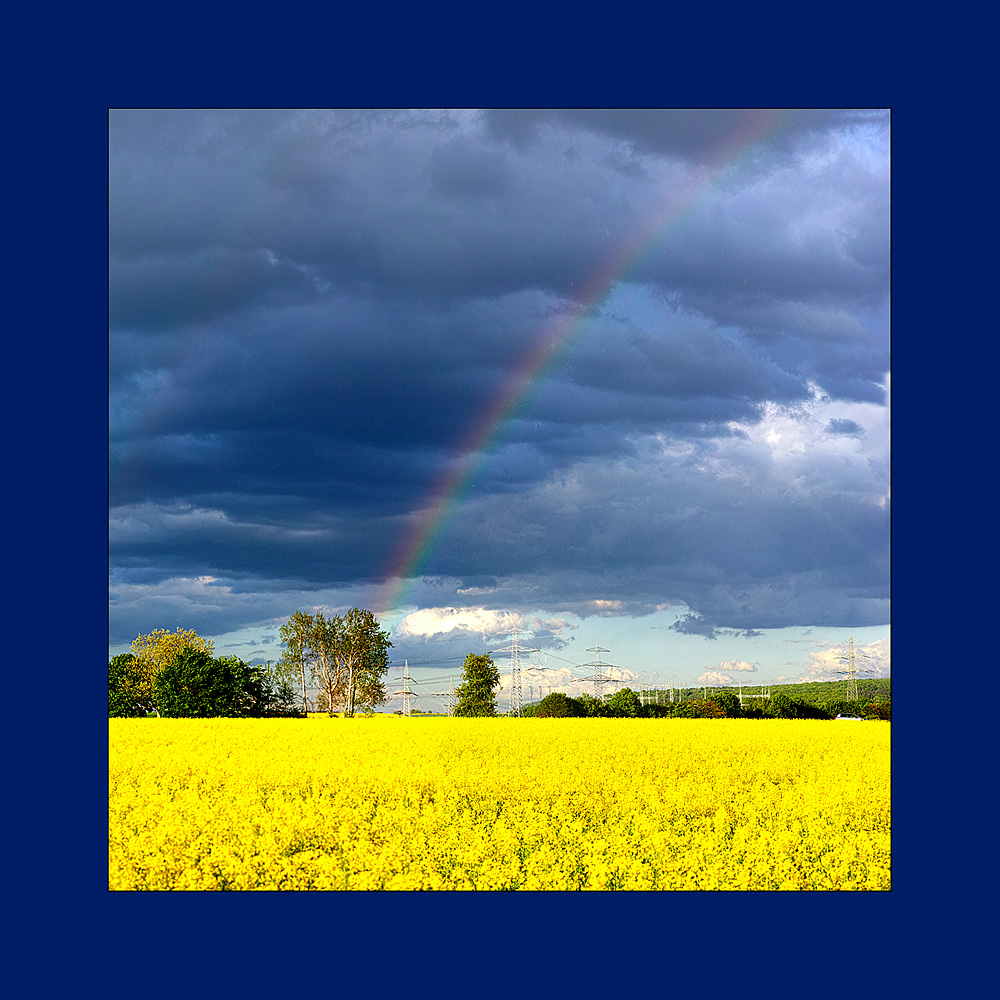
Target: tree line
[
  {"x": 626, "y": 703},
  {"x": 476, "y": 696},
  {"x": 346, "y": 658},
  {"x": 174, "y": 674}
]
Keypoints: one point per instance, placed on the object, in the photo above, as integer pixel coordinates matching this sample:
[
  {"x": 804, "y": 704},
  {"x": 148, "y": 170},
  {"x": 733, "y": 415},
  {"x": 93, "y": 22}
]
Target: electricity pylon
[
  {"x": 406, "y": 692},
  {"x": 597, "y": 677},
  {"x": 515, "y": 650},
  {"x": 449, "y": 696},
  {"x": 853, "y": 669},
  {"x": 536, "y": 669}
]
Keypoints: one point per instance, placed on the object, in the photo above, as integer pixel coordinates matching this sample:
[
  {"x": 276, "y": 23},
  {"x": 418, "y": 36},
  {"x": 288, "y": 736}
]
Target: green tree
[
  {"x": 729, "y": 703},
  {"x": 780, "y": 706},
  {"x": 593, "y": 708},
  {"x": 558, "y": 706},
  {"x": 347, "y": 655},
  {"x": 323, "y": 664},
  {"x": 363, "y": 653},
  {"x": 297, "y": 653},
  {"x": 196, "y": 685},
  {"x": 477, "y": 692},
  {"x": 625, "y": 704},
  {"x": 124, "y": 699},
  {"x": 270, "y": 693},
  {"x": 154, "y": 651},
  {"x": 696, "y": 708},
  {"x": 784, "y": 706},
  {"x": 877, "y": 711}
]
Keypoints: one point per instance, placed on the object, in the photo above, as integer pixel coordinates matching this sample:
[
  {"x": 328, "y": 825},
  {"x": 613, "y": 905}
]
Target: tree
[
  {"x": 363, "y": 652},
  {"x": 123, "y": 688},
  {"x": 154, "y": 651},
  {"x": 477, "y": 692},
  {"x": 278, "y": 692},
  {"x": 348, "y": 657},
  {"x": 593, "y": 708},
  {"x": 323, "y": 663},
  {"x": 196, "y": 685},
  {"x": 781, "y": 706},
  {"x": 295, "y": 638},
  {"x": 696, "y": 708},
  {"x": 877, "y": 710},
  {"x": 625, "y": 704},
  {"x": 558, "y": 706},
  {"x": 728, "y": 702}
]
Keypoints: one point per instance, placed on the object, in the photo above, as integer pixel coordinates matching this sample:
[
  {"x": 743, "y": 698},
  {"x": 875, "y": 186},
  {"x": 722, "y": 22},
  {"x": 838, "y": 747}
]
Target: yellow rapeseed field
[{"x": 396, "y": 803}]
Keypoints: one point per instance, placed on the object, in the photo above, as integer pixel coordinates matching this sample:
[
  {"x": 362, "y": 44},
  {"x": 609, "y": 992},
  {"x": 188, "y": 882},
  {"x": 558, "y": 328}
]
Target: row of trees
[
  {"x": 625, "y": 703},
  {"x": 174, "y": 674},
  {"x": 195, "y": 684},
  {"x": 346, "y": 657},
  {"x": 476, "y": 696}
]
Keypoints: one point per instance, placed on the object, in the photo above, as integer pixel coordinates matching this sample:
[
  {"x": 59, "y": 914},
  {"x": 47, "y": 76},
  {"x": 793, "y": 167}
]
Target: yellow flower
[{"x": 458, "y": 804}]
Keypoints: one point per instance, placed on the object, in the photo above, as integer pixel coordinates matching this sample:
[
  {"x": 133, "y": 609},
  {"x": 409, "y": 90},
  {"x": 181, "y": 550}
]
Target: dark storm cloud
[
  {"x": 694, "y": 134},
  {"x": 672, "y": 530},
  {"x": 310, "y": 312}
]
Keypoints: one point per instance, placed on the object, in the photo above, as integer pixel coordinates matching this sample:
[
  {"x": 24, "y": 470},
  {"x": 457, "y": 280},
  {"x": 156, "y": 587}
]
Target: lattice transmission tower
[
  {"x": 407, "y": 694},
  {"x": 535, "y": 672},
  {"x": 852, "y": 670},
  {"x": 515, "y": 649},
  {"x": 449, "y": 696},
  {"x": 599, "y": 678}
]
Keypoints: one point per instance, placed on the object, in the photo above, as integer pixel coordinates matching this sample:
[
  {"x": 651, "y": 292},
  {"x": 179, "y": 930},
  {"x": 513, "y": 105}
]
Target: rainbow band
[{"x": 549, "y": 344}]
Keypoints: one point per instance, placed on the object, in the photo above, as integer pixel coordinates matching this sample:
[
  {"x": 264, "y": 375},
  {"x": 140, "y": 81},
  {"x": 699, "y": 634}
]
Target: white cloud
[
  {"x": 740, "y": 666},
  {"x": 714, "y": 677},
  {"x": 803, "y": 453},
  {"x": 440, "y": 621},
  {"x": 605, "y": 608},
  {"x": 827, "y": 664}
]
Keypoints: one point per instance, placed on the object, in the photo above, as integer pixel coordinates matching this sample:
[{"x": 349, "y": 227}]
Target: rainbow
[{"x": 550, "y": 342}]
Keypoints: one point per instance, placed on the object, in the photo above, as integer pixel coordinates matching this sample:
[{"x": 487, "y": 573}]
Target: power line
[
  {"x": 515, "y": 650},
  {"x": 853, "y": 669},
  {"x": 406, "y": 692},
  {"x": 597, "y": 677}
]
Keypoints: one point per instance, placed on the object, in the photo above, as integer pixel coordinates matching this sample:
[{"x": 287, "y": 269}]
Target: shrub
[
  {"x": 196, "y": 685},
  {"x": 697, "y": 709},
  {"x": 123, "y": 685},
  {"x": 880, "y": 711},
  {"x": 558, "y": 706}
]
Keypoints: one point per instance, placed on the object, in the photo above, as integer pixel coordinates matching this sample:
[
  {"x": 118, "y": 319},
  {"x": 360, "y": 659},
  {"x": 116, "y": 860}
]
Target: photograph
[{"x": 499, "y": 499}]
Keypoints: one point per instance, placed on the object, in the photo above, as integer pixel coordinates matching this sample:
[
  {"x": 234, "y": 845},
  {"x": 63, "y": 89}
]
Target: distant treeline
[{"x": 819, "y": 700}]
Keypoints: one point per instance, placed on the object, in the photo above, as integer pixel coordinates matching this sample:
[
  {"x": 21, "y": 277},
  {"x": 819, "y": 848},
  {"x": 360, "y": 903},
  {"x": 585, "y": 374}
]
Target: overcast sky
[{"x": 605, "y": 374}]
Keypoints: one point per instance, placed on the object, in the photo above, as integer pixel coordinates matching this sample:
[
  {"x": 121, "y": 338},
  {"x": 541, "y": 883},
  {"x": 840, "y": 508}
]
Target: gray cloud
[{"x": 311, "y": 313}]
